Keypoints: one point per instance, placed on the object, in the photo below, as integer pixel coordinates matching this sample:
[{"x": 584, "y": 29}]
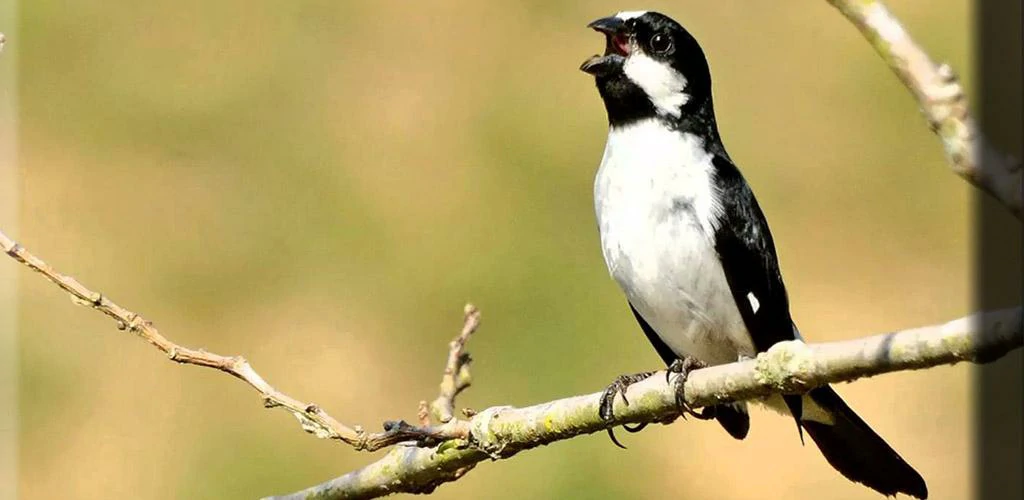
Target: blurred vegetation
[{"x": 321, "y": 186}]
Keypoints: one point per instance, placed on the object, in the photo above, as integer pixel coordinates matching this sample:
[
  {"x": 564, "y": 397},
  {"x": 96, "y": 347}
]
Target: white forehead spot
[
  {"x": 664, "y": 86},
  {"x": 630, "y": 14}
]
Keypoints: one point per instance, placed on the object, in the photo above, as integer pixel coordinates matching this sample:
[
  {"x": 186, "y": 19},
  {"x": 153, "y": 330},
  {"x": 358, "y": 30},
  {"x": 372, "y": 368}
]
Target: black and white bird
[{"x": 685, "y": 239}]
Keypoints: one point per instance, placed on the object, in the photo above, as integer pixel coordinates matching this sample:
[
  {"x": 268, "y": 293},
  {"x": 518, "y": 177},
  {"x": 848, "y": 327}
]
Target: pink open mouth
[
  {"x": 616, "y": 48},
  {"x": 618, "y": 43}
]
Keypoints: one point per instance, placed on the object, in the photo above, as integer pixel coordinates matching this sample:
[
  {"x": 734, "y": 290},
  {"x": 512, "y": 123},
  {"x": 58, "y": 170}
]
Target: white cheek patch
[
  {"x": 754, "y": 303},
  {"x": 663, "y": 85},
  {"x": 630, "y": 14}
]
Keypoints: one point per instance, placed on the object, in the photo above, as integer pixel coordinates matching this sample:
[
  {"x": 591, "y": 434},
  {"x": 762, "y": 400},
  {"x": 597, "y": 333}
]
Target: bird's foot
[
  {"x": 619, "y": 386},
  {"x": 682, "y": 368}
]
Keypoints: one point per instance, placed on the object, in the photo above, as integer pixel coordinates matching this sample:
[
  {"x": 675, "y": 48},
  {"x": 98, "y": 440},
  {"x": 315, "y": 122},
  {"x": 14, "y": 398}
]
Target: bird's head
[{"x": 651, "y": 67}]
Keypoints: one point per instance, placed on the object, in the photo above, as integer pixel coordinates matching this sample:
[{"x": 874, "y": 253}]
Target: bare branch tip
[{"x": 471, "y": 321}]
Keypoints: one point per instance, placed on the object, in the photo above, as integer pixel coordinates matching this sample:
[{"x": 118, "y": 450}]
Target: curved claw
[
  {"x": 618, "y": 387},
  {"x": 606, "y": 409},
  {"x": 611, "y": 434},
  {"x": 637, "y": 428}
]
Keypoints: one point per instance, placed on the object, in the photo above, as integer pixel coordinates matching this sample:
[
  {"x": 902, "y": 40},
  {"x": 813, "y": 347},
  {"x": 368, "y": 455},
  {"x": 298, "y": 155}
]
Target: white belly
[{"x": 657, "y": 218}]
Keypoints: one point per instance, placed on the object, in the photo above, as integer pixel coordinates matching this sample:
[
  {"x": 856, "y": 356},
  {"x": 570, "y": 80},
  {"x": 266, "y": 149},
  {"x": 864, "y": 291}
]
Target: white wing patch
[
  {"x": 754, "y": 303},
  {"x": 630, "y": 14},
  {"x": 664, "y": 86}
]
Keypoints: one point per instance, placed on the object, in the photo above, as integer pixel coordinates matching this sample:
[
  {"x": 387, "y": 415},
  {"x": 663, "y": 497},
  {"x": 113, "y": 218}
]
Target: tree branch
[
  {"x": 312, "y": 418},
  {"x": 788, "y": 367},
  {"x": 433, "y": 455},
  {"x": 943, "y": 103}
]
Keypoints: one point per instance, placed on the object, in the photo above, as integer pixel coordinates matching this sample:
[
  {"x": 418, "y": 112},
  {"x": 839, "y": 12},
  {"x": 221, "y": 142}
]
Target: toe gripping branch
[
  {"x": 680, "y": 367},
  {"x": 606, "y": 409}
]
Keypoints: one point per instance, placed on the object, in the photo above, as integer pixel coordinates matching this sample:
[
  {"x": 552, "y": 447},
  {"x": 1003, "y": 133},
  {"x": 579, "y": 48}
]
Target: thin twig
[
  {"x": 312, "y": 418},
  {"x": 941, "y": 97},
  {"x": 788, "y": 367},
  {"x": 456, "y": 376}
]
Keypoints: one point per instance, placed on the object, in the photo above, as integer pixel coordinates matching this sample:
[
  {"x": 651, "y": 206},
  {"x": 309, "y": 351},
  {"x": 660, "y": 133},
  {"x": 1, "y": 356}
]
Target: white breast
[{"x": 657, "y": 215}]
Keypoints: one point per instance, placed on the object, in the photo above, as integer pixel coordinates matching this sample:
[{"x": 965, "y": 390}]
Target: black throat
[{"x": 626, "y": 103}]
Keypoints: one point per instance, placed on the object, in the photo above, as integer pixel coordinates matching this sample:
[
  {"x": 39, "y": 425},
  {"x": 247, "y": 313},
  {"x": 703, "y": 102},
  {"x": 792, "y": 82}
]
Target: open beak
[{"x": 616, "y": 46}]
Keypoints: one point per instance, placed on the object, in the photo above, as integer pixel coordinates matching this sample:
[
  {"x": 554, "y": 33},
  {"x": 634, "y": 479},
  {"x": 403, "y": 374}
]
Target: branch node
[
  {"x": 136, "y": 323},
  {"x": 14, "y": 249},
  {"x": 395, "y": 425},
  {"x": 313, "y": 427}
]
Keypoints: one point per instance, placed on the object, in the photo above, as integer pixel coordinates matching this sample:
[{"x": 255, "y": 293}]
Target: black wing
[{"x": 747, "y": 252}]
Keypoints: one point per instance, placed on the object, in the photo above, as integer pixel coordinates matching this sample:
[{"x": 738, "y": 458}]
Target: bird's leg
[
  {"x": 619, "y": 386},
  {"x": 682, "y": 368}
]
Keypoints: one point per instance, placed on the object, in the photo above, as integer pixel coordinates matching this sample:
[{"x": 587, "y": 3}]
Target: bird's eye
[{"x": 661, "y": 44}]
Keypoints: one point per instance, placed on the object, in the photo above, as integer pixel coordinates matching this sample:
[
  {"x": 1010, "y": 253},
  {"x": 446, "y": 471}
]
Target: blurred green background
[{"x": 322, "y": 185}]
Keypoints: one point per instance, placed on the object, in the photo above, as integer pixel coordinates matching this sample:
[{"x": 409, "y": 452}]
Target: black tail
[
  {"x": 734, "y": 418},
  {"x": 858, "y": 453}
]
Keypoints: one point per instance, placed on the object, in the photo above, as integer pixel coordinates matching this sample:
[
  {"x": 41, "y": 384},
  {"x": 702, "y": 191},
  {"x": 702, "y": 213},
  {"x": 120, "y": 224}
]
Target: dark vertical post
[{"x": 999, "y": 109}]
